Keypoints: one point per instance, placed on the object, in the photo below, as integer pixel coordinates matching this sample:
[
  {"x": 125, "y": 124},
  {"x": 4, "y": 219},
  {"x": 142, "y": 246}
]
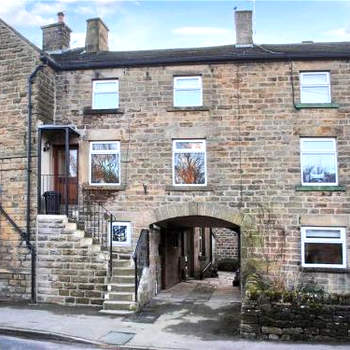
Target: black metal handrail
[
  {"x": 210, "y": 263},
  {"x": 141, "y": 257}
]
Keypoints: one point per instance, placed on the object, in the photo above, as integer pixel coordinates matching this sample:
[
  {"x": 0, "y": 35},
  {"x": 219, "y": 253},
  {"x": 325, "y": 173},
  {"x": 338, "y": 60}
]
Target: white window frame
[
  {"x": 320, "y": 152},
  {"x": 303, "y": 84},
  {"x": 188, "y": 77},
  {"x": 204, "y": 150},
  {"x": 96, "y": 82},
  {"x": 114, "y": 151},
  {"x": 341, "y": 240},
  {"x": 128, "y": 233}
]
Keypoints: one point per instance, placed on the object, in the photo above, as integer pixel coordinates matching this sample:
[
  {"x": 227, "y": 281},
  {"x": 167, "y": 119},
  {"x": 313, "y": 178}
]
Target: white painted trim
[
  {"x": 91, "y": 151},
  {"x": 302, "y": 85},
  {"x": 332, "y": 152},
  {"x": 341, "y": 240},
  {"x": 200, "y": 89},
  {"x": 95, "y": 82},
  {"x": 202, "y": 150}
]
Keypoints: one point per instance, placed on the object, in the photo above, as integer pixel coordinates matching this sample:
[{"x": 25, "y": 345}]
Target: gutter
[{"x": 28, "y": 180}]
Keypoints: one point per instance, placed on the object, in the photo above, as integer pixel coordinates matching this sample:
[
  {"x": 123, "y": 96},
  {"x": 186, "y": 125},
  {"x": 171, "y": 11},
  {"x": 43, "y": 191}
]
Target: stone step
[
  {"x": 119, "y": 305},
  {"x": 117, "y": 287},
  {"x": 70, "y": 227},
  {"x": 123, "y": 279},
  {"x": 122, "y": 263},
  {"x": 120, "y": 296},
  {"x": 116, "y": 312},
  {"x": 123, "y": 271}
]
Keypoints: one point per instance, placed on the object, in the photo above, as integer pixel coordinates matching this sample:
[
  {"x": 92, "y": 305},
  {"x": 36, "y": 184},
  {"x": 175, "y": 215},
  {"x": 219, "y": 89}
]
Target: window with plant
[
  {"x": 318, "y": 157},
  {"x": 189, "y": 162},
  {"x": 105, "y": 163}
]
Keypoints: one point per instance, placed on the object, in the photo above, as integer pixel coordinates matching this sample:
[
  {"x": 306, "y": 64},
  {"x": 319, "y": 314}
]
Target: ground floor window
[{"x": 323, "y": 247}]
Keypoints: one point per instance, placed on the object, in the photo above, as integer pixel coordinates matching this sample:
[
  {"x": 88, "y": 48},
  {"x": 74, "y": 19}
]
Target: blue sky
[{"x": 145, "y": 24}]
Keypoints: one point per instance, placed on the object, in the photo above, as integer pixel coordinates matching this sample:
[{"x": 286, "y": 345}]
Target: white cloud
[
  {"x": 201, "y": 31},
  {"x": 77, "y": 40},
  {"x": 15, "y": 13},
  {"x": 340, "y": 34}
]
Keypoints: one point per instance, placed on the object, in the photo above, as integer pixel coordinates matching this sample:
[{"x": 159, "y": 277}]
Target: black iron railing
[{"x": 141, "y": 257}]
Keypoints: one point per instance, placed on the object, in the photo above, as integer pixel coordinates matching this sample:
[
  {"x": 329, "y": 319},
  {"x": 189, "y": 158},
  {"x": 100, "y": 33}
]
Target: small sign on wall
[{"x": 121, "y": 233}]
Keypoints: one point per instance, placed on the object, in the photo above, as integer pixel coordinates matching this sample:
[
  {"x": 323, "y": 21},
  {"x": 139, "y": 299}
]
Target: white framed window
[
  {"x": 104, "y": 163},
  {"x": 121, "y": 233},
  {"x": 318, "y": 160},
  {"x": 105, "y": 94},
  {"x": 315, "y": 87},
  {"x": 188, "y": 91},
  {"x": 189, "y": 163},
  {"x": 323, "y": 247}
]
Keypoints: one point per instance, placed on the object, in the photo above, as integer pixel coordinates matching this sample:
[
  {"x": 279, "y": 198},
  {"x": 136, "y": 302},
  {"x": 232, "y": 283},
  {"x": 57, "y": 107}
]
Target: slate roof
[{"x": 79, "y": 59}]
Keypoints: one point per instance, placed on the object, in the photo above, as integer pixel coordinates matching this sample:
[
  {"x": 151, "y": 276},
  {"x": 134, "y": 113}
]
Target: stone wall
[
  {"x": 252, "y": 132},
  {"x": 71, "y": 270},
  {"x": 292, "y": 322},
  {"x": 226, "y": 244}
]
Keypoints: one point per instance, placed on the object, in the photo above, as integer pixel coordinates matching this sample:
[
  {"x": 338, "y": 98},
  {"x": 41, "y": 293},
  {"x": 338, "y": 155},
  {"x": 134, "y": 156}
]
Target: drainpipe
[{"x": 29, "y": 171}]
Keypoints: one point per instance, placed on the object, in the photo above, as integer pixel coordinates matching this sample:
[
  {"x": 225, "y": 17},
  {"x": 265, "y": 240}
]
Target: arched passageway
[{"x": 187, "y": 243}]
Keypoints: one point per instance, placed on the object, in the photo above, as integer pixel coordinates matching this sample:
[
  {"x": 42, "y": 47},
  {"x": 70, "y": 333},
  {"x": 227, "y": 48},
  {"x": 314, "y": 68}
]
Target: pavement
[{"x": 191, "y": 315}]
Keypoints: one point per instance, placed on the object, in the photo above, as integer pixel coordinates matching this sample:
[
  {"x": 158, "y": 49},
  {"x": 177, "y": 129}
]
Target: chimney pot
[
  {"x": 244, "y": 28},
  {"x": 96, "y": 35},
  {"x": 60, "y": 17}
]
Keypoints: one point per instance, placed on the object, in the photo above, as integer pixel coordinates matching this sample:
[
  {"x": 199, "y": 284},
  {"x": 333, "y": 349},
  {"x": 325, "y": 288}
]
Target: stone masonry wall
[
  {"x": 70, "y": 269},
  {"x": 290, "y": 322},
  {"x": 18, "y": 59},
  {"x": 226, "y": 244},
  {"x": 252, "y": 133}
]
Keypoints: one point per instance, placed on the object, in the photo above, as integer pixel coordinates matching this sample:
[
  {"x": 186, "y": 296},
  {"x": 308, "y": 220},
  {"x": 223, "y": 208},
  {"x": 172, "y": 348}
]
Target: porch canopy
[{"x": 68, "y": 131}]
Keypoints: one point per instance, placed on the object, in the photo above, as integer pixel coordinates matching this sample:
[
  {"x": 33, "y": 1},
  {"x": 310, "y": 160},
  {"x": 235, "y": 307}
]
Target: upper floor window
[
  {"x": 189, "y": 162},
  {"x": 315, "y": 87},
  {"x": 323, "y": 247},
  {"x": 105, "y": 94},
  {"x": 105, "y": 163},
  {"x": 188, "y": 91},
  {"x": 318, "y": 157}
]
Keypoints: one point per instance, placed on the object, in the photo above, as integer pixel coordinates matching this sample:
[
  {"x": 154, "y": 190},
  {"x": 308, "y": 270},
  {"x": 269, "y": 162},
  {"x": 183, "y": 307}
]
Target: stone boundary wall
[
  {"x": 71, "y": 270},
  {"x": 293, "y": 322},
  {"x": 226, "y": 244}
]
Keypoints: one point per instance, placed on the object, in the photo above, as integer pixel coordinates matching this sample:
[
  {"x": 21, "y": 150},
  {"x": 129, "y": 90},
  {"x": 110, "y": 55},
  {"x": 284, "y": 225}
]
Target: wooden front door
[{"x": 59, "y": 173}]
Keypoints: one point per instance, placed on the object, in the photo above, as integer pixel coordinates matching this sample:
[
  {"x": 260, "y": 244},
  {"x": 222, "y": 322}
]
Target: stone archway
[{"x": 213, "y": 210}]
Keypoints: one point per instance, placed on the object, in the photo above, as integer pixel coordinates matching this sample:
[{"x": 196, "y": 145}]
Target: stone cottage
[{"x": 117, "y": 168}]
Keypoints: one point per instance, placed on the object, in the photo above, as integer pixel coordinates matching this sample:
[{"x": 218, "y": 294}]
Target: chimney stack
[
  {"x": 96, "y": 35},
  {"x": 56, "y": 36},
  {"x": 244, "y": 28}
]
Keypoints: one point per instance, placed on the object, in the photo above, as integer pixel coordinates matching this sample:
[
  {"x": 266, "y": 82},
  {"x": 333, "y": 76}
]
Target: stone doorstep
[{"x": 119, "y": 305}]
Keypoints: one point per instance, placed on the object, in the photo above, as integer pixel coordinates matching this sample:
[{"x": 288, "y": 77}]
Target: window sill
[
  {"x": 324, "y": 269},
  {"x": 320, "y": 188},
  {"x": 104, "y": 188},
  {"x": 184, "y": 109},
  {"x": 188, "y": 188},
  {"x": 91, "y": 111},
  {"x": 316, "y": 105}
]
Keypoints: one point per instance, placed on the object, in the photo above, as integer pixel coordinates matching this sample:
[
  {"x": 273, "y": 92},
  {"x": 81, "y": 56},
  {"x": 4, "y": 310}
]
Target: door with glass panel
[{"x": 60, "y": 175}]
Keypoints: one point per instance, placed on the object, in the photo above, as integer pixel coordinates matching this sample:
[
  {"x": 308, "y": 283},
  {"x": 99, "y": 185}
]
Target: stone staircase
[{"x": 120, "y": 295}]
